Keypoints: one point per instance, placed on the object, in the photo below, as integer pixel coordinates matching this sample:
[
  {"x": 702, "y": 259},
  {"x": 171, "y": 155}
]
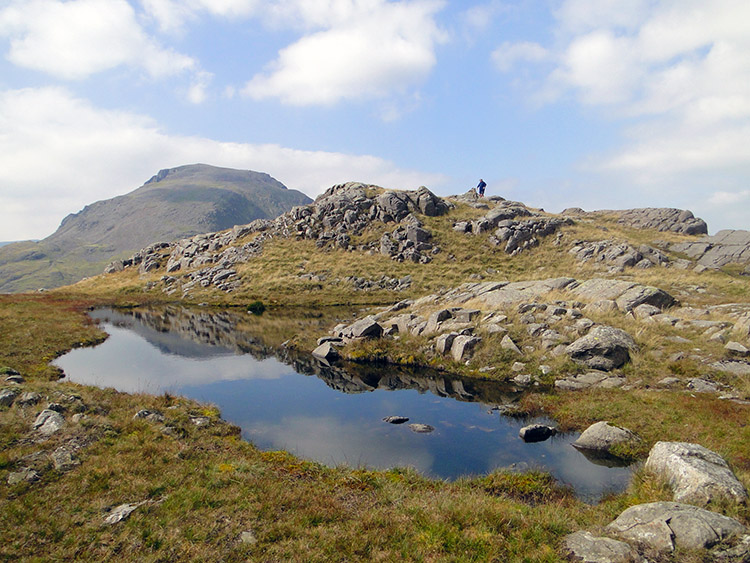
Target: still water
[{"x": 332, "y": 414}]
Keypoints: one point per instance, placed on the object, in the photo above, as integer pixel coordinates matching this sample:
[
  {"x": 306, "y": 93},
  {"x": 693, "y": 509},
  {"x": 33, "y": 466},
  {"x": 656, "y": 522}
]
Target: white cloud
[
  {"x": 508, "y": 54},
  {"x": 59, "y": 153},
  {"x": 729, "y": 198},
  {"x": 367, "y": 50},
  {"x": 73, "y": 40},
  {"x": 675, "y": 76}
]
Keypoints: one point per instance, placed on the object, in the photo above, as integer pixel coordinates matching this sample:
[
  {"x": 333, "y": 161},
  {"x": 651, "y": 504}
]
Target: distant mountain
[{"x": 175, "y": 203}]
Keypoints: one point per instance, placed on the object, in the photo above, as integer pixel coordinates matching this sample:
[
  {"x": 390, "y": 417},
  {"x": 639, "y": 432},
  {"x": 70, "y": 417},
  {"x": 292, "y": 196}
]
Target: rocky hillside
[{"x": 175, "y": 203}]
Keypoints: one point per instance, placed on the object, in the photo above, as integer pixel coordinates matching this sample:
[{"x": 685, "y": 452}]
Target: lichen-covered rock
[
  {"x": 604, "y": 348},
  {"x": 48, "y": 422},
  {"x": 663, "y": 526},
  {"x": 696, "y": 474},
  {"x": 587, "y": 548}
]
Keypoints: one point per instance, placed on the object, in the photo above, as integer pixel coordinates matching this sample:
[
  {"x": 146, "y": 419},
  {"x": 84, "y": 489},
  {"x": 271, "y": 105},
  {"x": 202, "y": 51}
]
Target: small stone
[
  {"x": 518, "y": 366},
  {"x": 153, "y": 416},
  {"x": 736, "y": 349},
  {"x": 64, "y": 460},
  {"x": 200, "y": 420},
  {"x": 395, "y": 419},
  {"x": 15, "y": 378},
  {"x": 536, "y": 432},
  {"x": 121, "y": 512},
  {"x": 601, "y": 436},
  {"x": 248, "y": 537},
  {"x": 27, "y": 474},
  {"x": 7, "y": 396},
  {"x": 326, "y": 351},
  {"x": 507, "y": 344},
  {"x": 523, "y": 379},
  {"x": 29, "y": 398}
]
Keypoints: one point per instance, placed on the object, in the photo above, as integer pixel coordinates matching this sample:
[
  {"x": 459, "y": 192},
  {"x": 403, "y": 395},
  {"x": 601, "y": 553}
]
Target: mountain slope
[{"x": 175, "y": 203}]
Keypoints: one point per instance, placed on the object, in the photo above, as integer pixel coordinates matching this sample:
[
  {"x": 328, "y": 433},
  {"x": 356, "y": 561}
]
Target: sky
[{"x": 599, "y": 104}]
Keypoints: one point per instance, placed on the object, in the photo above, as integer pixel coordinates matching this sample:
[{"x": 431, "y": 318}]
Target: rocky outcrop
[
  {"x": 344, "y": 211},
  {"x": 715, "y": 251},
  {"x": 664, "y": 526},
  {"x": 696, "y": 474},
  {"x": 657, "y": 218},
  {"x": 618, "y": 255},
  {"x": 516, "y": 235},
  {"x": 604, "y": 347}
]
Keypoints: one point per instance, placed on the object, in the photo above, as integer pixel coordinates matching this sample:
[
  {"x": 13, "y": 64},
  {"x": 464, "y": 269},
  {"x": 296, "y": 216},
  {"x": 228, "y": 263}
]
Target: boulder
[
  {"x": 604, "y": 347},
  {"x": 663, "y": 219},
  {"x": 644, "y": 294},
  {"x": 7, "y": 396},
  {"x": 717, "y": 250},
  {"x": 364, "y": 328},
  {"x": 663, "y": 526},
  {"x": 601, "y": 436},
  {"x": 696, "y": 474},
  {"x": 507, "y": 344},
  {"x": 444, "y": 342},
  {"x": 585, "y": 547},
  {"x": 736, "y": 349},
  {"x": 463, "y": 347},
  {"x": 326, "y": 351},
  {"x": 48, "y": 422},
  {"x": 536, "y": 432}
]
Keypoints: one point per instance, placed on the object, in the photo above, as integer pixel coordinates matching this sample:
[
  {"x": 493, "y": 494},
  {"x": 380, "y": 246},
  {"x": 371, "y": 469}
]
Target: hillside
[{"x": 175, "y": 203}]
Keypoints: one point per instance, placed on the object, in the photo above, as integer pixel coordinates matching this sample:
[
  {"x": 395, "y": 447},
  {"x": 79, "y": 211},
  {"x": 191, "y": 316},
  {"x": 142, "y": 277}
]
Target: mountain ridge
[{"x": 174, "y": 203}]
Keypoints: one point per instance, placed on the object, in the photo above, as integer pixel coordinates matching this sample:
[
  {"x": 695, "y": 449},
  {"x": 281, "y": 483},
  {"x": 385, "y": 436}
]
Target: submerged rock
[
  {"x": 395, "y": 419},
  {"x": 421, "y": 428}
]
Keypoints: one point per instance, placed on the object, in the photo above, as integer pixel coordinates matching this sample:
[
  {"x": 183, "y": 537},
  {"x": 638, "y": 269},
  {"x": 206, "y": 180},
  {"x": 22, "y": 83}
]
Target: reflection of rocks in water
[
  {"x": 169, "y": 327},
  {"x": 603, "y": 458}
]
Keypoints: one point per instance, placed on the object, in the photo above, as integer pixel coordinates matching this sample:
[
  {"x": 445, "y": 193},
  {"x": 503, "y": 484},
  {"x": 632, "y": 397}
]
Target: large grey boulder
[
  {"x": 585, "y": 547},
  {"x": 602, "y": 436},
  {"x": 604, "y": 347},
  {"x": 663, "y": 526},
  {"x": 644, "y": 294},
  {"x": 696, "y": 474}
]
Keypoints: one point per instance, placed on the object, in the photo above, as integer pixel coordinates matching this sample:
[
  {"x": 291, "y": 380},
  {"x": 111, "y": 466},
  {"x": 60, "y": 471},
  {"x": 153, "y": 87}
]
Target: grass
[{"x": 202, "y": 487}]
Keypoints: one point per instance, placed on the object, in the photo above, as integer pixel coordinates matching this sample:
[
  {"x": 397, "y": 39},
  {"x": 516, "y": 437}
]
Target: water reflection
[{"x": 335, "y": 417}]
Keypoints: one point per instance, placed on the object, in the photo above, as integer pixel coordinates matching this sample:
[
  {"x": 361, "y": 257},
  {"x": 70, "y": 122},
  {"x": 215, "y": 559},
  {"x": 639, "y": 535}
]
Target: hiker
[{"x": 480, "y": 187}]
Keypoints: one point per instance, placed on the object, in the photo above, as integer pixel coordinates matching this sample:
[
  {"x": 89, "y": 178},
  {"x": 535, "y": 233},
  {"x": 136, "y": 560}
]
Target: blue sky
[{"x": 600, "y": 104}]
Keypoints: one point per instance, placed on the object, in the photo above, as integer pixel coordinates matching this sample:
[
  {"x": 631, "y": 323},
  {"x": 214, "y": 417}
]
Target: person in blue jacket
[{"x": 480, "y": 187}]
